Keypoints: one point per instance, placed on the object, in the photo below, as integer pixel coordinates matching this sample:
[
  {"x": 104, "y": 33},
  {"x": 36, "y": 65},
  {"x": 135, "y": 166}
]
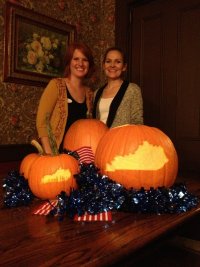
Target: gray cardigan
[{"x": 126, "y": 107}]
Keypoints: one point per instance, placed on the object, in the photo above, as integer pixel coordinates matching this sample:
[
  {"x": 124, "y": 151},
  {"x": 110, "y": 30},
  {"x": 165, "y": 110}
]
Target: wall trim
[{"x": 15, "y": 152}]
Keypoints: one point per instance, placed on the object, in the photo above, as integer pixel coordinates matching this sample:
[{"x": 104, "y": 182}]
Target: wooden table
[{"x": 33, "y": 240}]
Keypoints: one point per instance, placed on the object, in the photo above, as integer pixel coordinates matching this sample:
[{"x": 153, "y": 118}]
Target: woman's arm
[
  {"x": 137, "y": 105},
  {"x": 45, "y": 108}
]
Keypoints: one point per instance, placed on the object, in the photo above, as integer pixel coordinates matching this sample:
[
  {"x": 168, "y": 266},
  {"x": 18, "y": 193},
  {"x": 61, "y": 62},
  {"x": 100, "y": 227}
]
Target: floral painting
[
  {"x": 35, "y": 46},
  {"x": 40, "y": 50}
]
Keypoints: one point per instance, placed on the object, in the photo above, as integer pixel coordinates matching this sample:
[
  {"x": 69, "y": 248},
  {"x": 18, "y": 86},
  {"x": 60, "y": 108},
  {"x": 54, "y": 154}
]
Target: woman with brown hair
[{"x": 119, "y": 101}]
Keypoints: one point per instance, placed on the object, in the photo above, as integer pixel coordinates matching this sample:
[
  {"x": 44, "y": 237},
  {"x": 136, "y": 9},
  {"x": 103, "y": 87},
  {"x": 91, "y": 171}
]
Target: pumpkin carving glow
[
  {"x": 137, "y": 156},
  {"x": 49, "y": 175}
]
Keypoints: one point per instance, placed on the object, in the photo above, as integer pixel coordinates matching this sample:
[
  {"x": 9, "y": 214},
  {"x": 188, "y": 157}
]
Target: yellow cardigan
[{"x": 54, "y": 102}]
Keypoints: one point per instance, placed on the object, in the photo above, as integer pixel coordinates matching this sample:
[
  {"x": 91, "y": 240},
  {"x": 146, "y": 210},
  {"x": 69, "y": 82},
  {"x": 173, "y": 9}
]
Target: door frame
[{"x": 123, "y": 21}]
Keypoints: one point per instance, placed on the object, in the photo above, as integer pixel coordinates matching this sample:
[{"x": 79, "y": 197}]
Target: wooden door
[{"x": 163, "y": 44}]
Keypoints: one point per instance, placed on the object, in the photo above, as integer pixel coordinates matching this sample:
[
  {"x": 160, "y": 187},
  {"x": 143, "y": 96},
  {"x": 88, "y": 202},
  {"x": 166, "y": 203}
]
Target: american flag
[
  {"x": 86, "y": 154},
  {"x": 104, "y": 216},
  {"x": 46, "y": 207}
]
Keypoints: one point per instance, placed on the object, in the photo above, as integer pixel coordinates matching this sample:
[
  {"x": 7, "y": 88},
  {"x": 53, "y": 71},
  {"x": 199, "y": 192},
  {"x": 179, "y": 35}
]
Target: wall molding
[{"x": 15, "y": 152}]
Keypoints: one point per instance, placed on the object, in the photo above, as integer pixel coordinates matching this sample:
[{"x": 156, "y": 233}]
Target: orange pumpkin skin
[
  {"x": 84, "y": 132},
  {"x": 137, "y": 156},
  {"x": 26, "y": 163},
  {"x": 49, "y": 175}
]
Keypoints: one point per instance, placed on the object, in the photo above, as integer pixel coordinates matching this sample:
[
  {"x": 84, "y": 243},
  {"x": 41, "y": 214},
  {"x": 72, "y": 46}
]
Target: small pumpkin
[
  {"x": 137, "y": 156},
  {"x": 49, "y": 175},
  {"x": 84, "y": 133},
  {"x": 28, "y": 160}
]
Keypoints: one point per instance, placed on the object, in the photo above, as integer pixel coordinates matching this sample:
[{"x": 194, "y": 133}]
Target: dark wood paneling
[
  {"x": 188, "y": 81},
  {"x": 149, "y": 66},
  {"x": 11, "y": 156},
  {"x": 6, "y": 167},
  {"x": 164, "y": 59},
  {"x": 15, "y": 152}
]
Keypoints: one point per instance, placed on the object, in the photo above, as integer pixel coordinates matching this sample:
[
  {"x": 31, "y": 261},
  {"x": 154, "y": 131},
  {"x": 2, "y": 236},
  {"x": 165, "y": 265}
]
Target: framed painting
[{"x": 35, "y": 46}]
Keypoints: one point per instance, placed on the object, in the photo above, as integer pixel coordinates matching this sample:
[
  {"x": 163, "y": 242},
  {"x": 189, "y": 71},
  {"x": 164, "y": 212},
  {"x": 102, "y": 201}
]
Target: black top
[{"x": 76, "y": 110}]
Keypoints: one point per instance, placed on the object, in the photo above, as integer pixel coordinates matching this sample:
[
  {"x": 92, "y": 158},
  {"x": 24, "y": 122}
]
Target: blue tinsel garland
[
  {"x": 17, "y": 191},
  {"x": 97, "y": 193}
]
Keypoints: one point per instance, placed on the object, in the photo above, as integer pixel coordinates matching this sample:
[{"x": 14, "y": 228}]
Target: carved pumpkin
[
  {"x": 49, "y": 175},
  {"x": 137, "y": 156},
  {"x": 84, "y": 132}
]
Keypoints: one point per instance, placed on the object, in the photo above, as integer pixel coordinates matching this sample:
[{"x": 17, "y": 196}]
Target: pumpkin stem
[
  {"x": 37, "y": 146},
  {"x": 51, "y": 136}
]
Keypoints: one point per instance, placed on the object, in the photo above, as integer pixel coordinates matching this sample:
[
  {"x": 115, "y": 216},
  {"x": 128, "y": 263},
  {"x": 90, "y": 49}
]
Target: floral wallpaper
[{"x": 95, "y": 25}]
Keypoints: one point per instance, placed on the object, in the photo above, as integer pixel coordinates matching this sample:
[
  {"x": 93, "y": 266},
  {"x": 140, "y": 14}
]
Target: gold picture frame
[{"x": 34, "y": 46}]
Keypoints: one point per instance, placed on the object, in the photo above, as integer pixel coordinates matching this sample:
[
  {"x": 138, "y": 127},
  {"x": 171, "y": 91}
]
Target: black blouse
[{"x": 76, "y": 111}]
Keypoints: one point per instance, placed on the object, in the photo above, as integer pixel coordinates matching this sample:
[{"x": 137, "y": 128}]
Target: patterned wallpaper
[{"x": 95, "y": 25}]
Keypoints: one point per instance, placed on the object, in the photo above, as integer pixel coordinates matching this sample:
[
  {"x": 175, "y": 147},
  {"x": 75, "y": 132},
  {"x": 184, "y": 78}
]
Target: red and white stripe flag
[
  {"x": 86, "y": 154},
  {"x": 45, "y": 208},
  {"x": 104, "y": 216}
]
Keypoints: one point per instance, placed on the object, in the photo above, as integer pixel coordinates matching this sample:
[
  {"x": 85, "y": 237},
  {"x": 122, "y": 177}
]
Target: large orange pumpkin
[
  {"x": 137, "y": 156},
  {"x": 84, "y": 132},
  {"x": 49, "y": 175}
]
